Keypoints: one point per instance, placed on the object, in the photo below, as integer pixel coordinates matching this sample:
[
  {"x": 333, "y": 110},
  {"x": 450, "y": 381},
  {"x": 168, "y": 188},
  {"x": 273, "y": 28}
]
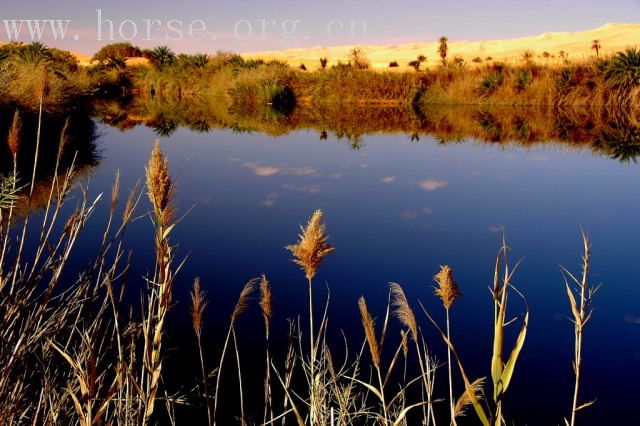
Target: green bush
[{"x": 490, "y": 83}]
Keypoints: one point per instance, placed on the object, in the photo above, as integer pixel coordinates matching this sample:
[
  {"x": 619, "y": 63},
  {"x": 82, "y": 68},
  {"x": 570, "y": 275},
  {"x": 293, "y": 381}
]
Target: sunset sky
[{"x": 386, "y": 21}]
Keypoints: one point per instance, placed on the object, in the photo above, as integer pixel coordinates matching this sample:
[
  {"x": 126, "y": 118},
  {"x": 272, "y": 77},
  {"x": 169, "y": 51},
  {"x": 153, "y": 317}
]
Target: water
[{"x": 396, "y": 209}]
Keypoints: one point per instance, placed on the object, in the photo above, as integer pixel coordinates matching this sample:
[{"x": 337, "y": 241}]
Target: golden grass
[{"x": 99, "y": 362}]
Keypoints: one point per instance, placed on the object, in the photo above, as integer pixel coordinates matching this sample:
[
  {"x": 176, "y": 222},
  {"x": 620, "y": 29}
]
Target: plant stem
[
  {"x": 451, "y": 404},
  {"x": 312, "y": 407}
]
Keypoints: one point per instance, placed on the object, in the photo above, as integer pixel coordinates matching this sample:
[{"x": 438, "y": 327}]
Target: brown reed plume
[
  {"x": 309, "y": 252},
  {"x": 14, "y": 135},
  {"x": 374, "y": 348},
  {"x": 241, "y": 306},
  {"x": 312, "y": 246},
  {"x": 160, "y": 189},
  {"x": 199, "y": 304},
  {"x": 369, "y": 331},
  {"x": 266, "y": 306},
  {"x": 159, "y": 185},
  {"x": 581, "y": 311},
  {"x": 465, "y": 399},
  {"x": 405, "y": 315},
  {"x": 447, "y": 290}
]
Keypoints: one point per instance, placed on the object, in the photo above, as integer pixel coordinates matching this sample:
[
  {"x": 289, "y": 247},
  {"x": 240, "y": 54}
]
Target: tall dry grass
[{"x": 73, "y": 352}]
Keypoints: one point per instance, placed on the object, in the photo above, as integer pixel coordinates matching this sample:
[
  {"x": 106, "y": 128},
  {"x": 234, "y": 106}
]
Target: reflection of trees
[
  {"x": 621, "y": 143},
  {"x": 79, "y": 150},
  {"x": 608, "y": 132}
]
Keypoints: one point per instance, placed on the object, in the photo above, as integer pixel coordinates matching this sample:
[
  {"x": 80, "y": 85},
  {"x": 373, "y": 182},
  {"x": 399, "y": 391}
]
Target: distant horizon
[
  {"x": 251, "y": 26},
  {"x": 368, "y": 42}
]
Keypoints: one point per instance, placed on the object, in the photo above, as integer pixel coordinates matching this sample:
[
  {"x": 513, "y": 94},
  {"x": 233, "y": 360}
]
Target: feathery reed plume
[
  {"x": 198, "y": 306},
  {"x": 312, "y": 246},
  {"x": 311, "y": 249},
  {"x": 241, "y": 306},
  {"x": 266, "y": 305},
  {"x": 243, "y": 300},
  {"x": 159, "y": 185},
  {"x": 405, "y": 315},
  {"x": 465, "y": 400},
  {"x": 14, "y": 134},
  {"x": 266, "y": 302},
  {"x": 161, "y": 191},
  {"x": 403, "y": 311},
  {"x": 369, "y": 331},
  {"x": 581, "y": 311},
  {"x": 64, "y": 139},
  {"x": 448, "y": 291}
]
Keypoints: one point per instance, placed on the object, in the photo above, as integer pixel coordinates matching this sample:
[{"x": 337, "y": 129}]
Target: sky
[{"x": 254, "y": 25}]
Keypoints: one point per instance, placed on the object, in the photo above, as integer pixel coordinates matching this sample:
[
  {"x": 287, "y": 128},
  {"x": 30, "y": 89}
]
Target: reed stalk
[
  {"x": 581, "y": 311},
  {"x": 308, "y": 253},
  {"x": 447, "y": 290}
]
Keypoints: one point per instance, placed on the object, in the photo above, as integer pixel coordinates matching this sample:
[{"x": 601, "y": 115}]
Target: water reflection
[
  {"x": 79, "y": 149},
  {"x": 612, "y": 133}
]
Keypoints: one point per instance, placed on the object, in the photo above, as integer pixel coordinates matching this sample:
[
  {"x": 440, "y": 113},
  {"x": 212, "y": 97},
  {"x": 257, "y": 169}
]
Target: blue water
[{"x": 395, "y": 210}]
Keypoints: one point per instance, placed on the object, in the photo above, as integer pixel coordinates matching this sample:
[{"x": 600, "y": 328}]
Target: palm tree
[
  {"x": 199, "y": 60},
  {"x": 161, "y": 56},
  {"x": 358, "y": 59},
  {"x": 527, "y": 56},
  {"x": 34, "y": 53},
  {"x": 443, "y": 49},
  {"x": 595, "y": 45}
]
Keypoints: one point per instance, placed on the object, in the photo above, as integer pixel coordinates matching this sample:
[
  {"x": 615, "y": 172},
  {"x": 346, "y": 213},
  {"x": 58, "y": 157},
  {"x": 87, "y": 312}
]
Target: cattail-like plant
[
  {"x": 447, "y": 290},
  {"x": 241, "y": 306},
  {"x": 266, "y": 306},
  {"x": 309, "y": 252},
  {"x": 581, "y": 311},
  {"x": 198, "y": 306}
]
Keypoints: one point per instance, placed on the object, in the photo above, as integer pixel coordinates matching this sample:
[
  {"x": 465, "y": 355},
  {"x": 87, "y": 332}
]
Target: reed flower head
[
  {"x": 14, "y": 134},
  {"x": 403, "y": 311},
  {"x": 369, "y": 331},
  {"x": 447, "y": 289},
  {"x": 465, "y": 401},
  {"x": 159, "y": 186},
  {"x": 266, "y": 301},
  {"x": 243, "y": 299},
  {"x": 198, "y": 305},
  {"x": 312, "y": 246}
]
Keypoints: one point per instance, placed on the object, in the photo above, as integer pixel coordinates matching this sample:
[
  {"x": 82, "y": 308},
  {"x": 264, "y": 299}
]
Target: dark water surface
[{"x": 396, "y": 209}]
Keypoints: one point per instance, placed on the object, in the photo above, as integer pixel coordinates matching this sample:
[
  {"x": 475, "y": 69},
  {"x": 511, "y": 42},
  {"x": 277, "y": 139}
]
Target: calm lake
[{"x": 398, "y": 203}]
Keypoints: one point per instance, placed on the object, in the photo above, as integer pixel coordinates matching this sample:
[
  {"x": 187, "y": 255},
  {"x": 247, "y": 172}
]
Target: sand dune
[{"x": 612, "y": 36}]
